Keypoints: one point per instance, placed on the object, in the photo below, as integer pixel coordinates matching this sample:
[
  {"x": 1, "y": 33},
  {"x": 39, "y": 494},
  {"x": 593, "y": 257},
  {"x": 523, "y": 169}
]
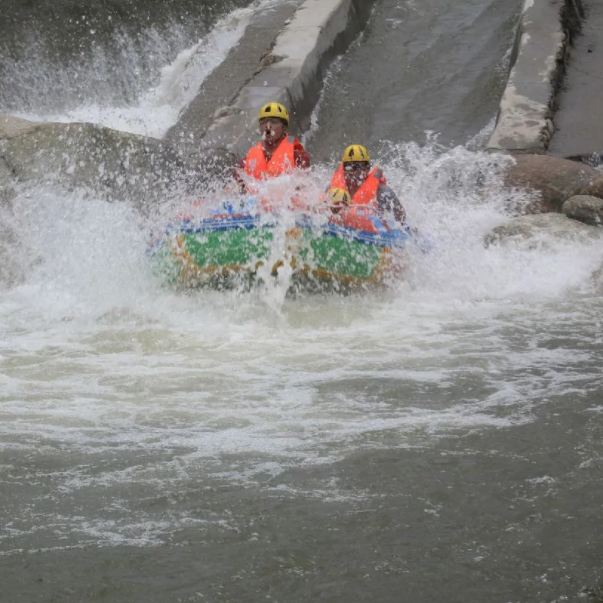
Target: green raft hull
[{"x": 238, "y": 257}]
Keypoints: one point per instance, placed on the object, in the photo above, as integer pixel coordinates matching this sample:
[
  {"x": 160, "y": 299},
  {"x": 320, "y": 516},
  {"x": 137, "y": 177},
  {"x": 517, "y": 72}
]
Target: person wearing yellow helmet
[
  {"x": 277, "y": 153},
  {"x": 354, "y": 183}
]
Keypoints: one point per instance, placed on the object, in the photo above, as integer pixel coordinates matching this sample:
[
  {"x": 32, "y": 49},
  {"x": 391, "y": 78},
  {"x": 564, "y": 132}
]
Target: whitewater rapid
[
  {"x": 97, "y": 350},
  {"x": 98, "y": 358}
]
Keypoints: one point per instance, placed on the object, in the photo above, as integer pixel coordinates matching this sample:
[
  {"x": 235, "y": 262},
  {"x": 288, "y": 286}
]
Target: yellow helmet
[
  {"x": 274, "y": 110},
  {"x": 338, "y": 196},
  {"x": 355, "y": 152}
]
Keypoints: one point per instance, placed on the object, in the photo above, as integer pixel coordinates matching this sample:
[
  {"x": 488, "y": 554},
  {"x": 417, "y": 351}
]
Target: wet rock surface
[
  {"x": 116, "y": 165},
  {"x": 524, "y": 116},
  {"x": 10, "y": 270},
  {"x": 292, "y": 71},
  {"x": 584, "y": 208},
  {"x": 552, "y": 180},
  {"x": 541, "y": 231},
  {"x": 594, "y": 188}
]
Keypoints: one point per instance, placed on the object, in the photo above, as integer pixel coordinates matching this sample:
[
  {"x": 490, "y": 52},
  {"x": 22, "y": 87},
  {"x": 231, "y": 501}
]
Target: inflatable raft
[{"x": 349, "y": 250}]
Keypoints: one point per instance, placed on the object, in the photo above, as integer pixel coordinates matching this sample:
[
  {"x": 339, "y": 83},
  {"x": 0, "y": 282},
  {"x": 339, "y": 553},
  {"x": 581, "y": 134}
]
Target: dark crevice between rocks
[
  {"x": 578, "y": 9},
  {"x": 573, "y": 15},
  {"x": 592, "y": 159}
]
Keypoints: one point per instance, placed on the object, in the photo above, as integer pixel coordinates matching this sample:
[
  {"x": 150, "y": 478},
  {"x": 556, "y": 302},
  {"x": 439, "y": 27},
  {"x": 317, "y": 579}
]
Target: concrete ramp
[
  {"x": 552, "y": 102},
  {"x": 579, "y": 118},
  {"x": 288, "y": 67}
]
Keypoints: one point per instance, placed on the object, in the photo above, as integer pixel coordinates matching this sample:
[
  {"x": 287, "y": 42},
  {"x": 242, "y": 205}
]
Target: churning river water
[{"x": 441, "y": 441}]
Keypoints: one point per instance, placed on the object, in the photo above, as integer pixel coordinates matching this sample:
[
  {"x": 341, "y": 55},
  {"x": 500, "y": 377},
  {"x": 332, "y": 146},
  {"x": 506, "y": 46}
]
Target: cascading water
[
  {"x": 136, "y": 84},
  {"x": 430, "y": 440}
]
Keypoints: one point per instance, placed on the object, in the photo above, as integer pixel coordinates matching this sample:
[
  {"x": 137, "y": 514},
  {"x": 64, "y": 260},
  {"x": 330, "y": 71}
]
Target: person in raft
[
  {"x": 354, "y": 183},
  {"x": 276, "y": 154}
]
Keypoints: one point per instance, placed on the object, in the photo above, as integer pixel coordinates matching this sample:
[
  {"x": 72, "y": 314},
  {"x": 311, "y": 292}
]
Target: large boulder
[
  {"x": 11, "y": 127},
  {"x": 584, "y": 208},
  {"x": 84, "y": 155},
  {"x": 541, "y": 231},
  {"x": 115, "y": 165},
  {"x": 553, "y": 180},
  {"x": 594, "y": 188}
]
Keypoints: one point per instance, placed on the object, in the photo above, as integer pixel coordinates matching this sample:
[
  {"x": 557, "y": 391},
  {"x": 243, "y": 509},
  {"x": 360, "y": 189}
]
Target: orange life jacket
[
  {"x": 281, "y": 162},
  {"x": 367, "y": 193}
]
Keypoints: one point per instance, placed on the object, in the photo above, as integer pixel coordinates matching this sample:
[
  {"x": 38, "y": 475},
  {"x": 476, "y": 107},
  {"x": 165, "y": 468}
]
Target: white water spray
[{"x": 153, "y": 109}]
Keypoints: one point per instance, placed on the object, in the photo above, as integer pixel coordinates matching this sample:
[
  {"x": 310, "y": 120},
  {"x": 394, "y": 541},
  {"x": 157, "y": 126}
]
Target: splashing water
[
  {"x": 130, "y": 86},
  {"x": 88, "y": 258},
  {"x": 123, "y": 398}
]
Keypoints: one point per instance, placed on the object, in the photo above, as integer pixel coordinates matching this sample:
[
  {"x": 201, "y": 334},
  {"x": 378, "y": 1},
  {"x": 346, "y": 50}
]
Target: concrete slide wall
[
  {"x": 542, "y": 45},
  {"x": 293, "y": 73}
]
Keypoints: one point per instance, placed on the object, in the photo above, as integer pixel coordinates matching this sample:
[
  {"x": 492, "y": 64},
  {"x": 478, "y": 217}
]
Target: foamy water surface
[{"x": 100, "y": 361}]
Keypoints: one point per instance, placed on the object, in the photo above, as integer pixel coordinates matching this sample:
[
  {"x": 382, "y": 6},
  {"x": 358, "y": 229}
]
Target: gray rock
[
  {"x": 12, "y": 265},
  {"x": 11, "y": 127},
  {"x": 115, "y": 165},
  {"x": 540, "y": 49},
  {"x": 594, "y": 188},
  {"x": 541, "y": 231},
  {"x": 11, "y": 270},
  {"x": 584, "y": 208},
  {"x": 553, "y": 180},
  {"x": 597, "y": 276},
  {"x": 291, "y": 72}
]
